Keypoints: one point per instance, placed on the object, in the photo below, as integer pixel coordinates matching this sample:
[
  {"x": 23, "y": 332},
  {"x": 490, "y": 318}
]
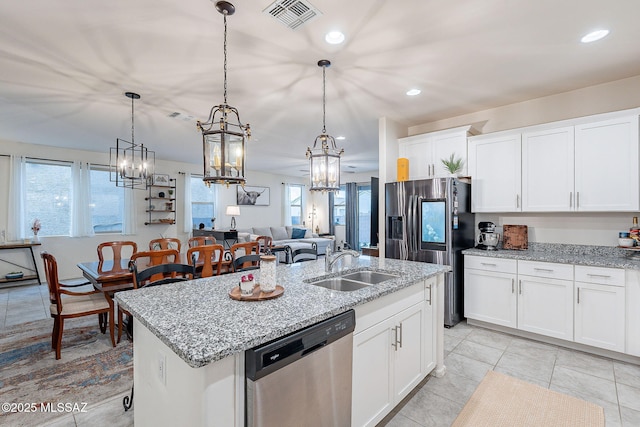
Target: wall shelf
[{"x": 158, "y": 206}]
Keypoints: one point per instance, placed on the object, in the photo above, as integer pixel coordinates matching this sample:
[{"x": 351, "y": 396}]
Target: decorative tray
[
  {"x": 257, "y": 295},
  {"x": 630, "y": 248},
  {"x": 10, "y": 276}
]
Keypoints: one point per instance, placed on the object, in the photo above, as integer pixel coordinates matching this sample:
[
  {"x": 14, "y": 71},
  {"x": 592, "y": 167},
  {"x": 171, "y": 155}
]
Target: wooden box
[{"x": 515, "y": 237}]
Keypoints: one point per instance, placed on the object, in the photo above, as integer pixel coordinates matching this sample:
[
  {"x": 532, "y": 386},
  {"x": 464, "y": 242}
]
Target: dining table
[{"x": 108, "y": 277}]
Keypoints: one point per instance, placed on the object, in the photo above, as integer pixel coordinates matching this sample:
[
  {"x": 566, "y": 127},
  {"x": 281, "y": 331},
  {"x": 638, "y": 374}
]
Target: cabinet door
[
  {"x": 420, "y": 154},
  {"x": 490, "y": 297},
  {"x": 632, "y": 297},
  {"x": 599, "y": 316},
  {"x": 547, "y": 170},
  {"x": 495, "y": 169},
  {"x": 606, "y": 163},
  {"x": 408, "y": 351},
  {"x": 430, "y": 325},
  {"x": 545, "y": 306},
  {"x": 444, "y": 146},
  {"x": 372, "y": 393}
]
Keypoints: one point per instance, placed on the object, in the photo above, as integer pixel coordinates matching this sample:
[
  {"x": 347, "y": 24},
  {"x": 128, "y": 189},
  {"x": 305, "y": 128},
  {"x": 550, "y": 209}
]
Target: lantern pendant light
[
  {"x": 324, "y": 161},
  {"x": 131, "y": 165},
  {"x": 224, "y": 135}
]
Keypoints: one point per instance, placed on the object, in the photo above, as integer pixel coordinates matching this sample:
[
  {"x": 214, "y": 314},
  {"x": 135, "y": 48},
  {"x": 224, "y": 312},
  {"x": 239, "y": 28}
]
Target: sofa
[{"x": 287, "y": 236}]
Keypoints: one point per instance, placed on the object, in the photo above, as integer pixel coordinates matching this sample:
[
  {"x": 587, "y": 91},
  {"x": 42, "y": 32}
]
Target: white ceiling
[{"x": 65, "y": 65}]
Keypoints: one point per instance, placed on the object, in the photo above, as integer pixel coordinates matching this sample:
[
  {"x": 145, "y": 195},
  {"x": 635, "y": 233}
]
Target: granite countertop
[
  {"x": 596, "y": 256},
  {"x": 200, "y": 322}
]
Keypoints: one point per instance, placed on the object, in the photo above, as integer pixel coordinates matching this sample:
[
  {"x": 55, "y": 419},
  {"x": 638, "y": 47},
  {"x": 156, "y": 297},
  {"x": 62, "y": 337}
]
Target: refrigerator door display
[{"x": 434, "y": 221}]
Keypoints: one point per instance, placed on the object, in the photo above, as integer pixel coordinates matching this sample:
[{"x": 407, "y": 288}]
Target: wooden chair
[
  {"x": 303, "y": 254},
  {"x": 245, "y": 256},
  {"x": 144, "y": 261},
  {"x": 207, "y": 259},
  {"x": 66, "y": 304},
  {"x": 201, "y": 240},
  {"x": 116, "y": 250},
  {"x": 266, "y": 243},
  {"x": 165, "y": 243}
]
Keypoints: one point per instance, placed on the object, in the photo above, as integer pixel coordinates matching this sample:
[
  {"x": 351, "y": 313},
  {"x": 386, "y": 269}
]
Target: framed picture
[
  {"x": 252, "y": 196},
  {"x": 160, "y": 179}
]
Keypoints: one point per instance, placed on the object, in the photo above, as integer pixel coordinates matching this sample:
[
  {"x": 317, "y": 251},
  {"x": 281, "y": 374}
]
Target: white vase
[{"x": 35, "y": 239}]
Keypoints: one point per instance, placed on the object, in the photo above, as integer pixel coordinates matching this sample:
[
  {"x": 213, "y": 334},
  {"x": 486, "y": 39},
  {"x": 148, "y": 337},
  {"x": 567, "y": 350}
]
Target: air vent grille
[{"x": 292, "y": 13}]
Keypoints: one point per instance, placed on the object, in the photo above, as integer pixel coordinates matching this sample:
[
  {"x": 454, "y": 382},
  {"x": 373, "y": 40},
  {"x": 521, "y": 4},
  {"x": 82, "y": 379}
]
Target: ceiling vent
[{"x": 292, "y": 13}]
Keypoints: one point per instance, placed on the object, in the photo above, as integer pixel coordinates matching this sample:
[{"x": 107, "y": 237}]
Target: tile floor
[{"x": 469, "y": 353}]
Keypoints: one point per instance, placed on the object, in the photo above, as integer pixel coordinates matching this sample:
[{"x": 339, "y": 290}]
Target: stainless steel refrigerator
[{"x": 431, "y": 221}]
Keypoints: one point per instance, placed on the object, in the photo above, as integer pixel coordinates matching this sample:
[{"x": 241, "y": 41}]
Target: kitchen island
[{"x": 190, "y": 337}]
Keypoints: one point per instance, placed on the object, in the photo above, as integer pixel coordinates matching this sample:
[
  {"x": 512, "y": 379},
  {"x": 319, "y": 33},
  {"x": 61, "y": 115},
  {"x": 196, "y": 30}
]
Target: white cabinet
[
  {"x": 388, "y": 353},
  {"x": 490, "y": 290},
  {"x": 632, "y": 294},
  {"x": 545, "y": 299},
  {"x": 495, "y": 169},
  {"x": 600, "y": 307},
  {"x": 426, "y": 151},
  {"x": 606, "y": 165},
  {"x": 430, "y": 325},
  {"x": 547, "y": 170}
]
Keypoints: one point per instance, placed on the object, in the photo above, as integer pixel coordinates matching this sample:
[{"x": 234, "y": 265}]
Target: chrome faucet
[{"x": 330, "y": 258}]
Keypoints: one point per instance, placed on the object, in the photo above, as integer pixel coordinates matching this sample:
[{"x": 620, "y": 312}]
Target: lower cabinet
[
  {"x": 632, "y": 296},
  {"x": 600, "y": 308},
  {"x": 388, "y": 357},
  {"x": 490, "y": 290}
]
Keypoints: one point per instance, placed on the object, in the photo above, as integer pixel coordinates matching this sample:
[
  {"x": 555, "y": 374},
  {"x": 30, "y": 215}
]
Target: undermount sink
[
  {"x": 340, "y": 284},
  {"x": 371, "y": 277},
  {"x": 353, "y": 281}
]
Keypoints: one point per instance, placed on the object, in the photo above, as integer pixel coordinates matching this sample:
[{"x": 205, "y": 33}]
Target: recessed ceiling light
[
  {"x": 594, "y": 36},
  {"x": 413, "y": 92},
  {"x": 334, "y": 37},
  {"x": 340, "y": 138}
]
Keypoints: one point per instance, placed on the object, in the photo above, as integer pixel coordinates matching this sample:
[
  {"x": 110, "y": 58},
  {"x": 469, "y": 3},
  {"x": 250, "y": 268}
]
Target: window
[
  {"x": 107, "y": 202},
  {"x": 48, "y": 191},
  {"x": 202, "y": 203},
  {"x": 295, "y": 203},
  {"x": 364, "y": 215},
  {"x": 340, "y": 206}
]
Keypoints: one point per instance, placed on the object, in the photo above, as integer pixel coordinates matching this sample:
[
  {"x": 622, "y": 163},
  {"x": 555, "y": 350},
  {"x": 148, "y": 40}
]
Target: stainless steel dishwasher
[{"x": 302, "y": 379}]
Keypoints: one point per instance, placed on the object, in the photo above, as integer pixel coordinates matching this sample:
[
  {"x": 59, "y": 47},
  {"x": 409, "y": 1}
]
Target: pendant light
[
  {"x": 131, "y": 165},
  {"x": 223, "y": 135},
  {"x": 324, "y": 161}
]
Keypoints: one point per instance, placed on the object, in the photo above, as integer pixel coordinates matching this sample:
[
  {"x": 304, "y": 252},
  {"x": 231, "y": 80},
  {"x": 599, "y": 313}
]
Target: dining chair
[
  {"x": 245, "y": 256},
  {"x": 303, "y": 254},
  {"x": 201, "y": 240},
  {"x": 143, "y": 262},
  {"x": 266, "y": 243},
  {"x": 165, "y": 243},
  {"x": 207, "y": 259},
  {"x": 66, "y": 304},
  {"x": 116, "y": 249}
]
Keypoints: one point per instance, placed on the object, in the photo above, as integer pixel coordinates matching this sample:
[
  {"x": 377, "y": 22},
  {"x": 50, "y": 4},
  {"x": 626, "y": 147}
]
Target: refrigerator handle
[{"x": 408, "y": 238}]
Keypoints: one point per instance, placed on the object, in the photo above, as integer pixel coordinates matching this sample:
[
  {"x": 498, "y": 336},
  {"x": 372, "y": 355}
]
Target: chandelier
[
  {"x": 223, "y": 134},
  {"x": 324, "y": 161},
  {"x": 131, "y": 165}
]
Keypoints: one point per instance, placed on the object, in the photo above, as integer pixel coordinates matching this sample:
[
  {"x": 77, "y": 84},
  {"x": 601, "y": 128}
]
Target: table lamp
[{"x": 233, "y": 210}]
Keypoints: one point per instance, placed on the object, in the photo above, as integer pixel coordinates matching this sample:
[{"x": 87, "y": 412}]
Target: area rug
[
  {"x": 89, "y": 372},
  {"x": 501, "y": 400}
]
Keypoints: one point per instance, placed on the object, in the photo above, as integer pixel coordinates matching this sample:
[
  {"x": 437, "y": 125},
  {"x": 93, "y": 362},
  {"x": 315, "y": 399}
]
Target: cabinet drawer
[
  {"x": 601, "y": 275},
  {"x": 491, "y": 264},
  {"x": 546, "y": 269}
]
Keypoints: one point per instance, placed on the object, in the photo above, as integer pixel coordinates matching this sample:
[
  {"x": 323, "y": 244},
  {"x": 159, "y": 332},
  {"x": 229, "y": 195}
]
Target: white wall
[
  {"x": 574, "y": 228},
  {"x": 70, "y": 251}
]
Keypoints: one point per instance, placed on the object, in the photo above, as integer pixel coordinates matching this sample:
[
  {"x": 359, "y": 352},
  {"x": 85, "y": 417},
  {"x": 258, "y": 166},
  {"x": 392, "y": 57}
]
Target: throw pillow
[
  {"x": 298, "y": 233},
  {"x": 279, "y": 233}
]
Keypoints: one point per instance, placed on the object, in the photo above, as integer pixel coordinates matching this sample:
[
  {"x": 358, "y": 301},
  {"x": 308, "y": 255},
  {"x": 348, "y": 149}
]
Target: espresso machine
[{"x": 488, "y": 239}]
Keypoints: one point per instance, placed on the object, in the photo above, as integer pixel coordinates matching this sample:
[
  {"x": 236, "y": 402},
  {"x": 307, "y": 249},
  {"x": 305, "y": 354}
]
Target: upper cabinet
[
  {"x": 494, "y": 166},
  {"x": 586, "y": 167},
  {"x": 426, "y": 151}
]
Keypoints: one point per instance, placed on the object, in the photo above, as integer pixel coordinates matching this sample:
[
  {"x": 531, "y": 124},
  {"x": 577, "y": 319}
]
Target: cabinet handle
[
  {"x": 517, "y": 200},
  {"x": 606, "y": 276},
  {"x": 577, "y": 199},
  {"x": 489, "y": 264},
  {"x": 520, "y": 286},
  {"x": 548, "y": 270},
  {"x": 570, "y": 199},
  {"x": 512, "y": 285},
  {"x": 429, "y": 295},
  {"x": 394, "y": 344},
  {"x": 400, "y": 342},
  {"x": 578, "y": 295}
]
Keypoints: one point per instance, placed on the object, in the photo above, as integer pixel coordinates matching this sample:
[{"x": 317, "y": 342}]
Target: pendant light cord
[
  {"x": 225, "y": 57},
  {"x": 324, "y": 98},
  {"x": 132, "y": 141}
]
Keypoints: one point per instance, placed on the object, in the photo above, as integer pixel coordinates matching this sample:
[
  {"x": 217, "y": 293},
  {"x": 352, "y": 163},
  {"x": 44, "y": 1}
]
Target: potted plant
[{"x": 453, "y": 165}]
